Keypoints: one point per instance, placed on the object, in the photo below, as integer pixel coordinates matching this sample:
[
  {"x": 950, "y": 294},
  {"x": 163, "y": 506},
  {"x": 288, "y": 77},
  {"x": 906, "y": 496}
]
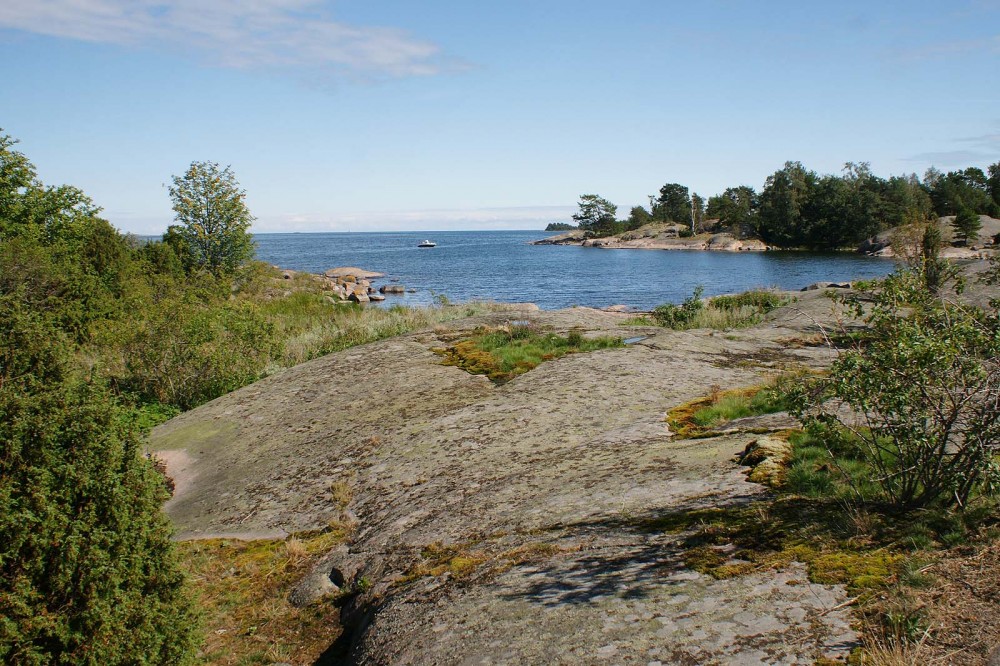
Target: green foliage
[
  {"x": 967, "y": 226},
  {"x": 721, "y": 312},
  {"x": 213, "y": 219},
  {"x": 736, "y": 208},
  {"x": 680, "y": 316},
  {"x": 926, "y": 380},
  {"x": 739, "y": 404},
  {"x": 185, "y": 353},
  {"x": 637, "y": 217},
  {"x": 957, "y": 190},
  {"x": 559, "y": 226},
  {"x": 596, "y": 215},
  {"x": 673, "y": 204},
  {"x": 87, "y": 571}
]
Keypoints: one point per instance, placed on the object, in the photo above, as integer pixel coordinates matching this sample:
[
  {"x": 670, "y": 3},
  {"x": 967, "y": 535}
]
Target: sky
[{"x": 382, "y": 115}]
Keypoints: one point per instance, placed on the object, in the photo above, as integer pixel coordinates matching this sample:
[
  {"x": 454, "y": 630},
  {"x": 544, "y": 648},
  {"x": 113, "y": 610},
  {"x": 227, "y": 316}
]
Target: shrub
[
  {"x": 926, "y": 382},
  {"x": 184, "y": 354},
  {"x": 721, "y": 312},
  {"x": 679, "y": 316},
  {"x": 87, "y": 571}
]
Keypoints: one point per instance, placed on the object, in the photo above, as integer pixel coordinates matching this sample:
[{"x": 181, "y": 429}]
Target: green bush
[
  {"x": 721, "y": 312},
  {"x": 679, "y": 316},
  {"x": 87, "y": 570},
  {"x": 184, "y": 354},
  {"x": 926, "y": 380},
  {"x": 763, "y": 301}
]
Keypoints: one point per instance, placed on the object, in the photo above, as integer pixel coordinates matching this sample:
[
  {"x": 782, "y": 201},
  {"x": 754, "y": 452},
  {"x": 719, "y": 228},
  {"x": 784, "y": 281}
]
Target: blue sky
[{"x": 386, "y": 115}]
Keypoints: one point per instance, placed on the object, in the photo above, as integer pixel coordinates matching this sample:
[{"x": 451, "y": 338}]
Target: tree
[
  {"x": 672, "y": 205},
  {"x": 596, "y": 215},
  {"x": 735, "y": 208},
  {"x": 697, "y": 212},
  {"x": 994, "y": 183},
  {"x": 782, "y": 201},
  {"x": 969, "y": 188},
  {"x": 213, "y": 218},
  {"x": 637, "y": 217},
  {"x": 967, "y": 226}
]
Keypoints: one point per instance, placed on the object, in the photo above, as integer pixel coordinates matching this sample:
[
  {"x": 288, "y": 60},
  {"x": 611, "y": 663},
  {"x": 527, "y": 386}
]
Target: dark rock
[
  {"x": 392, "y": 289},
  {"x": 827, "y": 285}
]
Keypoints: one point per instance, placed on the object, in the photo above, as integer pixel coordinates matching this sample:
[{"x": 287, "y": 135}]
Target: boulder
[
  {"x": 359, "y": 297},
  {"x": 392, "y": 289},
  {"x": 313, "y": 587},
  {"x": 768, "y": 458},
  {"x": 376, "y": 297}
]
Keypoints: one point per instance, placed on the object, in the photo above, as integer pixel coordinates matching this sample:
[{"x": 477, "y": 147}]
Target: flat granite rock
[{"x": 558, "y": 467}]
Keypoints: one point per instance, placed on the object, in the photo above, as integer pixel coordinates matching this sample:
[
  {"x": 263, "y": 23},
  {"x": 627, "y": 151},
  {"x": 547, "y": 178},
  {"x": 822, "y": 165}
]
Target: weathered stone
[
  {"x": 376, "y": 297},
  {"x": 392, "y": 289},
  {"x": 555, "y": 469},
  {"x": 827, "y": 285},
  {"x": 768, "y": 458},
  {"x": 312, "y": 588}
]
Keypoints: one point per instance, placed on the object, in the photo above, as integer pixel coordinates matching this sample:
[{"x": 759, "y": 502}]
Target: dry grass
[{"x": 243, "y": 587}]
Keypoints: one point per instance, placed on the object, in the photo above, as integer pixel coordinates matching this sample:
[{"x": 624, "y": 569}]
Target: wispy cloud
[
  {"x": 975, "y": 150},
  {"x": 233, "y": 33}
]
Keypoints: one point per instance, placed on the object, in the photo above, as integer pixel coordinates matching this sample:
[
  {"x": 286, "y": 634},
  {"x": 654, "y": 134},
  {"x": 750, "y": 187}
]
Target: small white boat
[{"x": 427, "y": 243}]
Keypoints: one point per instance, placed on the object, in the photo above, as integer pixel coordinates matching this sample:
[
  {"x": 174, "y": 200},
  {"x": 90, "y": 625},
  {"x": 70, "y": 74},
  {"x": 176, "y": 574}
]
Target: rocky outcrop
[
  {"x": 511, "y": 524},
  {"x": 659, "y": 237},
  {"x": 352, "y": 272},
  {"x": 568, "y": 238},
  {"x": 345, "y": 284}
]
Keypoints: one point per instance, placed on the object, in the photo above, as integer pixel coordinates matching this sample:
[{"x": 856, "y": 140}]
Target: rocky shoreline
[
  {"x": 348, "y": 284},
  {"x": 667, "y": 237},
  {"x": 659, "y": 237}
]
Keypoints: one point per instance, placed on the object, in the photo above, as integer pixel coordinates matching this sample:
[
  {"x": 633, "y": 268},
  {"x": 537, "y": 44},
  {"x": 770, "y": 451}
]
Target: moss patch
[
  {"x": 735, "y": 541},
  {"x": 505, "y": 352}
]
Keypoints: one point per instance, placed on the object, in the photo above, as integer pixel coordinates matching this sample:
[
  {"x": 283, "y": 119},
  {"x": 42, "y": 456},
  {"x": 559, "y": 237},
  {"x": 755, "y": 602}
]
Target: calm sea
[{"x": 502, "y": 266}]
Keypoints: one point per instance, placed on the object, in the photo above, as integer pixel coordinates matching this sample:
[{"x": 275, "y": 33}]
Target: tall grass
[
  {"x": 310, "y": 325},
  {"x": 739, "y": 404},
  {"x": 721, "y": 312}
]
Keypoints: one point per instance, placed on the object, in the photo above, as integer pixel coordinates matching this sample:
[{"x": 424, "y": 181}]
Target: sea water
[{"x": 504, "y": 266}]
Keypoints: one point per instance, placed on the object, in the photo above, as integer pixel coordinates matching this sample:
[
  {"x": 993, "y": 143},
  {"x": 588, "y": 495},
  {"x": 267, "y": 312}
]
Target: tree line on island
[{"x": 798, "y": 208}]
